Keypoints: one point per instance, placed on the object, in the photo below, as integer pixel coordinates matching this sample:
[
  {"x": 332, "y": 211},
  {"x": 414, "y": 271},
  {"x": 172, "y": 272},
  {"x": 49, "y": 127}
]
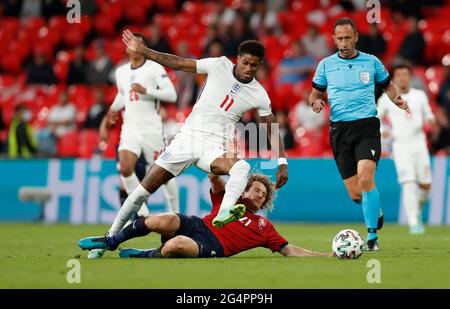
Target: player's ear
[{"x": 357, "y": 37}]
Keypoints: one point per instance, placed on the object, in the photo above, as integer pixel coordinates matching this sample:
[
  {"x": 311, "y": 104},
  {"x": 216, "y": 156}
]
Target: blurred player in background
[
  {"x": 349, "y": 76},
  {"x": 409, "y": 145},
  {"x": 191, "y": 236},
  {"x": 229, "y": 92},
  {"x": 141, "y": 85}
]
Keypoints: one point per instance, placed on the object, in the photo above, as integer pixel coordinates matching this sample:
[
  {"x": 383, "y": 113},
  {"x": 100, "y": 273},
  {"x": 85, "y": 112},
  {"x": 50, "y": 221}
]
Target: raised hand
[{"x": 133, "y": 43}]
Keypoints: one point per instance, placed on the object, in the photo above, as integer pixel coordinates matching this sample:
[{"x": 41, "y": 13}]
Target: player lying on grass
[{"x": 191, "y": 236}]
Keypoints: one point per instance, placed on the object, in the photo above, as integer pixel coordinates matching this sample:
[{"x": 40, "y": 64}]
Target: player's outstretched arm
[
  {"x": 275, "y": 138},
  {"x": 168, "y": 60},
  {"x": 394, "y": 94},
  {"x": 294, "y": 251}
]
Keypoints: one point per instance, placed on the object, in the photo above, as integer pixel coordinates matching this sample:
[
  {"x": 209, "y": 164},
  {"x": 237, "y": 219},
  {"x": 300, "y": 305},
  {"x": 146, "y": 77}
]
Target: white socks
[
  {"x": 423, "y": 196},
  {"x": 132, "y": 204},
  {"x": 171, "y": 195},
  {"x": 410, "y": 200},
  {"x": 235, "y": 185},
  {"x": 130, "y": 183}
]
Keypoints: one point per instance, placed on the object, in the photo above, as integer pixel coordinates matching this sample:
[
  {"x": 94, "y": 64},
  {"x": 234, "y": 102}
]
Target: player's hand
[
  {"x": 112, "y": 118},
  {"x": 401, "y": 103},
  {"x": 282, "y": 175},
  {"x": 138, "y": 88},
  {"x": 132, "y": 42},
  {"x": 318, "y": 105}
]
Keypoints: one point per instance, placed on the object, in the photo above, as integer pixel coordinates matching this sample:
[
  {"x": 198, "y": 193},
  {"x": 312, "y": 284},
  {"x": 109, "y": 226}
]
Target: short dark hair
[
  {"x": 401, "y": 66},
  {"x": 144, "y": 39},
  {"x": 252, "y": 47},
  {"x": 345, "y": 21}
]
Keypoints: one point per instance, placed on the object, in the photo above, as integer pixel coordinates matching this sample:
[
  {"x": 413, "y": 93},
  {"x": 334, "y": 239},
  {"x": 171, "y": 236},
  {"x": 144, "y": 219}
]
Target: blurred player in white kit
[{"x": 409, "y": 145}]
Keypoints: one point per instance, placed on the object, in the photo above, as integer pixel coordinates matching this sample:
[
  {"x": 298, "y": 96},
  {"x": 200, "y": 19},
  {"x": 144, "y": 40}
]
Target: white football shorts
[
  {"x": 188, "y": 149},
  {"x": 412, "y": 163},
  {"x": 149, "y": 144}
]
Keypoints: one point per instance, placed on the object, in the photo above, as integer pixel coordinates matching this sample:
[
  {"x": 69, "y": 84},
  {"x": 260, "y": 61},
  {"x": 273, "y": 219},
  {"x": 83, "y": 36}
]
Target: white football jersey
[
  {"x": 141, "y": 111},
  {"x": 224, "y": 100},
  {"x": 407, "y": 128}
]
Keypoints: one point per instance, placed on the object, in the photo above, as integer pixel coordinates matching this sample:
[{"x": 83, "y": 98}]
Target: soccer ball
[{"x": 348, "y": 244}]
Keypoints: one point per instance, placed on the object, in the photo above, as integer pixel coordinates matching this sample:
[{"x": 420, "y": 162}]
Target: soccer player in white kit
[
  {"x": 409, "y": 145},
  {"x": 141, "y": 84},
  {"x": 229, "y": 92}
]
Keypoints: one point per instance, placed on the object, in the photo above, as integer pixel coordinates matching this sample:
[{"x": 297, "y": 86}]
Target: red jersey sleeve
[{"x": 275, "y": 241}]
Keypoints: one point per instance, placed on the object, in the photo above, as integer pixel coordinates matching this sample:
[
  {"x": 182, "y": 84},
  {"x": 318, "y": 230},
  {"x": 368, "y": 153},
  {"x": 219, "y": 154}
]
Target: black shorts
[
  {"x": 194, "y": 227},
  {"x": 352, "y": 141}
]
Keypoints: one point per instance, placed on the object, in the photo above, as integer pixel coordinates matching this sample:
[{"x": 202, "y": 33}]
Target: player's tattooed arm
[
  {"x": 167, "y": 60},
  {"x": 274, "y": 137}
]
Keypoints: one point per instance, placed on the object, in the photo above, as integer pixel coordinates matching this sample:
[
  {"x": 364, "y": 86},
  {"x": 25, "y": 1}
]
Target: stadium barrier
[{"x": 86, "y": 191}]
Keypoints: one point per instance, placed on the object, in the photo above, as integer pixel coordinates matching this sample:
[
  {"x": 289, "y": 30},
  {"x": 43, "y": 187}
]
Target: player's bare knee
[
  {"x": 366, "y": 182},
  {"x": 174, "y": 246},
  {"x": 162, "y": 222}
]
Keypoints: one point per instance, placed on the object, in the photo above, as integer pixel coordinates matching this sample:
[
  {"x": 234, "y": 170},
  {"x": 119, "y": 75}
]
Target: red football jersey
[{"x": 251, "y": 231}]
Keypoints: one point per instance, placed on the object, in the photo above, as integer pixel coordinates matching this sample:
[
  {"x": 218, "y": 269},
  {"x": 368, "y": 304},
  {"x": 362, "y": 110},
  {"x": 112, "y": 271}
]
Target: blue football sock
[
  {"x": 135, "y": 229},
  {"x": 152, "y": 253},
  {"x": 371, "y": 207}
]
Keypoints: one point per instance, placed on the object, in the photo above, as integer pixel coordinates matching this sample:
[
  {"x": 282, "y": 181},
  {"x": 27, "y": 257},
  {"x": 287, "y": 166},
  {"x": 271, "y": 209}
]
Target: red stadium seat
[
  {"x": 166, "y": 5},
  {"x": 136, "y": 14},
  {"x": 113, "y": 140},
  {"x": 67, "y": 145},
  {"x": 11, "y": 63},
  {"x": 73, "y": 36},
  {"x": 88, "y": 142},
  {"x": 105, "y": 25}
]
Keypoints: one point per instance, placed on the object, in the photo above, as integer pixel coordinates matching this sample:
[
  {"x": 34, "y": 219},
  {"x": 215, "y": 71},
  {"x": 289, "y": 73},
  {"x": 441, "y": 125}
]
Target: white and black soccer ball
[{"x": 348, "y": 244}]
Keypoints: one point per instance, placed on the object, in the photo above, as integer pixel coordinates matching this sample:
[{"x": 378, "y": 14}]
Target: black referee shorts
[{"x": 352, "y": 141}]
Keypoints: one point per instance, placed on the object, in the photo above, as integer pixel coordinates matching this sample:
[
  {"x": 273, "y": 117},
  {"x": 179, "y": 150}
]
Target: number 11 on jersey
[{"x": 224, "y": 103}]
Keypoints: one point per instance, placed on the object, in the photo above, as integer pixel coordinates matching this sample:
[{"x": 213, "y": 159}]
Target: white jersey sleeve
[
  {"x": 426, "y": 109},
  {"x": 165, "y": 90},
  {"x": 265, "y": 107},
  {"x": 119, "y": 101},
  {"x": 382, "y": 109},
  {"x": 207, "y": 65}
]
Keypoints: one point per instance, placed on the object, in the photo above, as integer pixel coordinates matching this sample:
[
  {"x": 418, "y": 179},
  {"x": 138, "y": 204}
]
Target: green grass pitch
[{"x": 35, "y": 256}]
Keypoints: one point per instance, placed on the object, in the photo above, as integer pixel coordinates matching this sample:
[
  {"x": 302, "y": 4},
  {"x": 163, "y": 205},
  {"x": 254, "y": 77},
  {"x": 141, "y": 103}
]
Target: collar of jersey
[
  {"x": 356, "y": 56},
  {"x": 138, "y": 66},
  {"x": 237, "y": 78}
]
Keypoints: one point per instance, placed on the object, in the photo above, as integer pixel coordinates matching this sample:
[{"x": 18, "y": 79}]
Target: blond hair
[{"x": 270, "y": 187}]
